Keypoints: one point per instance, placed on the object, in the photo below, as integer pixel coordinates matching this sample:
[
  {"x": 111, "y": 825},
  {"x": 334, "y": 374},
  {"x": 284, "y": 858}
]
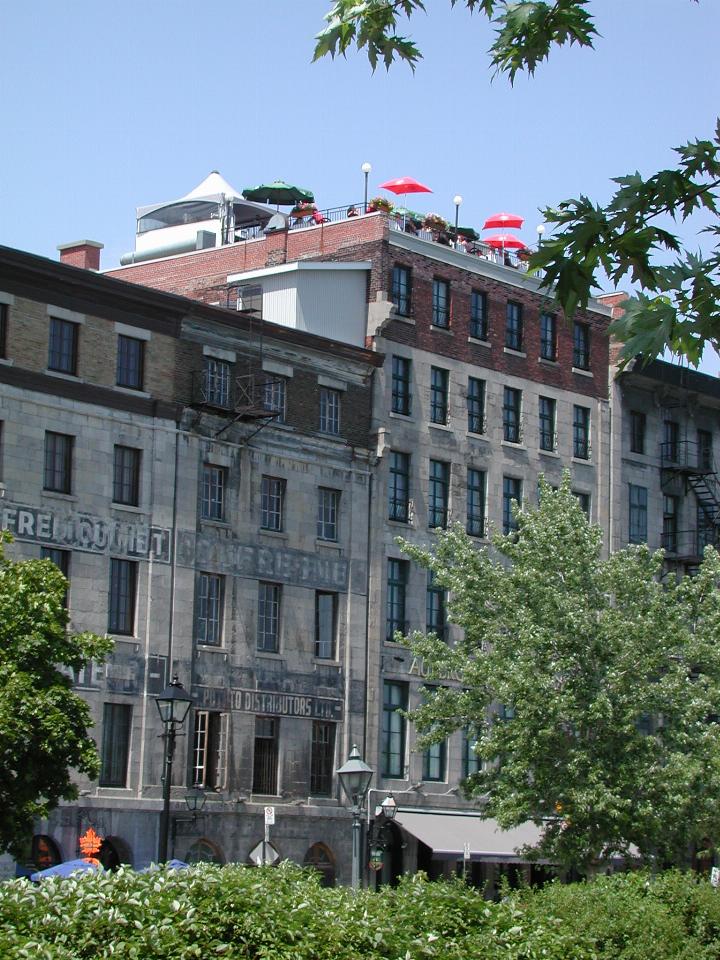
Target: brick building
[
  {"x": 203, "y": 480},
  {"x": 483, "y": 387}
]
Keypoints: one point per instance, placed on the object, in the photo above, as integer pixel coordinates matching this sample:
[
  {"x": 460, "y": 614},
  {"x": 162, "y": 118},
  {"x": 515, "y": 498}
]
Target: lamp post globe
[
  {"x": 457, "y": 200},
  {"x": 366, "y": 169},
  {"x": 355, "y": 776},
  {"x": 173, "y": 705},
  {"x": 540, "y": 230}
]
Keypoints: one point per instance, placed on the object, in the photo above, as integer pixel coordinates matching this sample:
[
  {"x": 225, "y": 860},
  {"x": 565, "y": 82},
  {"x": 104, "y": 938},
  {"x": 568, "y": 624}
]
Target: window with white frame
[
  {"x": 272, "y": 503},
  {"x": 329, "y": 410},
  {"x": 210, "y": 749},
  {"x": 208, "y": 622},
  {"x": 327, "y": 516},
  {"x": 212, "y": 501}
]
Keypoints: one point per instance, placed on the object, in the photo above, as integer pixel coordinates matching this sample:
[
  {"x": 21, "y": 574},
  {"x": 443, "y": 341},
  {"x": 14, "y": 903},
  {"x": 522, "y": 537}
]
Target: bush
[{"x": 237, "y": 912}]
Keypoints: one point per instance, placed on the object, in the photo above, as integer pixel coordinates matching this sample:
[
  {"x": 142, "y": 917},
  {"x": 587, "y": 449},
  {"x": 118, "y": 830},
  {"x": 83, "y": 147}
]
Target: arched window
[
  {"x": 321, "y": 858},
  {"x": 45, "y": 852},
  {"x": 203, "y": 851}
]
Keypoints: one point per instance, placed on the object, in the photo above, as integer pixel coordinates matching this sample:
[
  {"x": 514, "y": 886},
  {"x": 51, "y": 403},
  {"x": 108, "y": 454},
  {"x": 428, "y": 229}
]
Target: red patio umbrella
[
  {"x": 503, "y": 220},
  {"x": 404, "y": 185},
  {"x": 504, "y": 241}
]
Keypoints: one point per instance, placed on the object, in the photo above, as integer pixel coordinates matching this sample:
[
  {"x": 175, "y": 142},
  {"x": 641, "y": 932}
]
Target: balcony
[
  {"x": 248, "y": 397},
  {"x": 686, "y": 456},
  {"x": 686, "y": 546}
]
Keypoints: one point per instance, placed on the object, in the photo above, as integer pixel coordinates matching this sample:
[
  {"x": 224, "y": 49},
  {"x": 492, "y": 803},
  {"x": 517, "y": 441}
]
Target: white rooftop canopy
[{"x": 446, "y": 834}]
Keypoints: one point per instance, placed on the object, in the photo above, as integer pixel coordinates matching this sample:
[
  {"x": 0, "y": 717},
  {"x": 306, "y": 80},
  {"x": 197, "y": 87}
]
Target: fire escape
[{"x": 686, "y": 465}]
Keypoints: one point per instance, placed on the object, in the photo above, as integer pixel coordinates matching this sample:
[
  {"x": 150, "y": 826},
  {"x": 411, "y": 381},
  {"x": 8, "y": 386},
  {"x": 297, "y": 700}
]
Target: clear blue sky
[{"x": 107, "y": 106}]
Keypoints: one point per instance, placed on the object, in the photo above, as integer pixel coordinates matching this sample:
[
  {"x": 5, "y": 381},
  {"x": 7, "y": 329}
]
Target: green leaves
[
  {"x": 370, "y": 25},
  {"x": 588, "y": 683},
  {"x": 43, "y": 724}
]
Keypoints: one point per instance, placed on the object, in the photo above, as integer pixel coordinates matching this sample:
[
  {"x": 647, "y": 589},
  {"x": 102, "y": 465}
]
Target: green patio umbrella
[{"x": 278, "y": 192}]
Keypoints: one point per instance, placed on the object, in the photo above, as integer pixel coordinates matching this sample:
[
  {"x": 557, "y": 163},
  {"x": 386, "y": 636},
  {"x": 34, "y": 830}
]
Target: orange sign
[{"x": 90, "y": 843}]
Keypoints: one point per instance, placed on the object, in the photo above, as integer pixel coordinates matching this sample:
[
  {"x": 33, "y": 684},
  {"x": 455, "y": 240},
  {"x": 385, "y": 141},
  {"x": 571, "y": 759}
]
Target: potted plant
[
  {"x": 380, "y": 203},
  {"x": 302, "y": 210},
  {"x": 434, "y": 222}
]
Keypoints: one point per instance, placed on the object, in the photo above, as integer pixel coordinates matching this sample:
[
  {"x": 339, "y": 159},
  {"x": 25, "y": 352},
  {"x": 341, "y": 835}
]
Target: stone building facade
[
  {"x": 203, "y": 480},
  {"x": 484, "y": 386}
]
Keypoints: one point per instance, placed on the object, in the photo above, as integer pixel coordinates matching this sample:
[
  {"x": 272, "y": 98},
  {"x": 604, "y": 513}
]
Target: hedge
[{"x": 284, "y": 914}]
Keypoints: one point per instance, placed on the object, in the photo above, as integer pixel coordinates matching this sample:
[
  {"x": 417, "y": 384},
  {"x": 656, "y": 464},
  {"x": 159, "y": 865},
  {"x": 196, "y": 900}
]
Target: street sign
[
  {"x": 466, "y": 851},
  {"x": 264, "y": 854},
  {"x": 269, "y": 816},
  {"x": 715, "y": 876}
]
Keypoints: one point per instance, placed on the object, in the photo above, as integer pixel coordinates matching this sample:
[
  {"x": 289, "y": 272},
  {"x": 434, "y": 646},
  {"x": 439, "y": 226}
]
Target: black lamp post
[
  {"x": 173, "y": 705},
  {"x": 366, "y": 169},
  {"x": 355, "y": 776},
  {"x": 378, "y": 840}
]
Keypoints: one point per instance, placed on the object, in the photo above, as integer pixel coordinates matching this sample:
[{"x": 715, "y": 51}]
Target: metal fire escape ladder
[{"x": 695, "y": 464}]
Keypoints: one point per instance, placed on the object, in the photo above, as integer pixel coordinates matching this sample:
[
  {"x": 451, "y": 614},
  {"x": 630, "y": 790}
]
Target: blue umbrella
[{"x": 67, "y": 868}]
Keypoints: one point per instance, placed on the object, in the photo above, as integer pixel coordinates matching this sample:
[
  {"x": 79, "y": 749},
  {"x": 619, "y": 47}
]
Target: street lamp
[
  {"x": 366, "y": 169},
  {"x": 540, "y": 230},
  {"x": 173, "y": 705},
  {"x": 457, "y": 200},
  {"x": 355, "y": 776},
  {"x": 378, "y": 840}
]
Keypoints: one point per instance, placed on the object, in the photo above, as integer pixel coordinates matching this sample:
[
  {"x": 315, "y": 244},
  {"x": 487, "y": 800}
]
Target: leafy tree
[
  {"x": 43, "y": 724},
  {"x": 679, "y": 291},
  {"x": 589, "y": 684}
]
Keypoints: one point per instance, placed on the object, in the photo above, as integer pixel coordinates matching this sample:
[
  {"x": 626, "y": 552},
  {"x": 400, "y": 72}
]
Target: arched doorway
[
  {"x": 321, "y": 858},
  {"x": 45, "y": 852},
  {"x": 113, "y": 852},
  {"x": 204, "y": 851}
]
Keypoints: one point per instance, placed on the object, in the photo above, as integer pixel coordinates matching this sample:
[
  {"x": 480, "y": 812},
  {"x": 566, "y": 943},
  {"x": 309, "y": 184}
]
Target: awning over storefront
[{"x": 447, "y": 833}]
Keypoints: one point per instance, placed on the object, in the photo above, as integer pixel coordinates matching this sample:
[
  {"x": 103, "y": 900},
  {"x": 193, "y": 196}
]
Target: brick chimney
[
  {"x": 82, "y": 253},
  {"x": 614, "y": 301}
]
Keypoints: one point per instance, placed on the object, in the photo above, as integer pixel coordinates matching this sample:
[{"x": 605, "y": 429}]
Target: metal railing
[
  {"x": 248, "y": 393},
  {"x": 686, "y": 454},
  {"x": 689, "y": 543}
]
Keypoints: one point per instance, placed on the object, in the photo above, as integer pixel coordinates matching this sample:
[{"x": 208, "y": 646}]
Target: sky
[{"x": 108, "y": 106}]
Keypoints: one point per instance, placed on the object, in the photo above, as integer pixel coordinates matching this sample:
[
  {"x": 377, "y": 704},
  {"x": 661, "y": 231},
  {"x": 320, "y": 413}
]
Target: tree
[
  {"x": 589, "y": 684},
  {"x": 43, "y": 724},
  {"x": 677, "y": 302}
]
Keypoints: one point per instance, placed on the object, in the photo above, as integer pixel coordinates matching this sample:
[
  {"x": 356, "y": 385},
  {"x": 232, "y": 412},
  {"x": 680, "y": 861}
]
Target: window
[
  {"x": 476, "y": 486},
  {"x": 548, "y": 336},
  {"x": 4, "y": 310},
  {"x": 217, "y": 382},
  {"x": 61, "y": 559},
  {"x": 584, "y": 500},
  {"x": 671, "y": 438},
  {"x": 212, "y": 504},
  {"x": 123, "y": 581},
  {"x": 478, "y": 315},
  {"x": 546, "y": 414},
  {"x": 470, "y": 759},
  {"x": 581, "y": 433},
  {"x": 275, "y": 397},
  {"x": 401, "y": 289},
  {"x": 441, "y": 303},
  {"x": 669, "y": 534},
  {"x": 435, "y": 614},
  {"x": 399, "y": 487},
  {"x": 434, "y": 761},
  {"x": 476, "y": 405},
  {"x": 329, "y": 410},
  {"x": 268, "y": 630},
  {"x": 130, "y": 362},
  {"x": 401, "y": 396},
  {"x": 272, "y": 505},
  {"x": 117, "y": 720},
  {"x": 638, "y": 514},
  {"x": 394, "y": 728},
  {"x": 438, "y": 395},
  {"x": 513, "y": 326},
  {"x": 208, "y": 624},
  {"x": 637, "y": 431},
  {"x": 438, "y": 490},
  {"x": 210, "y": 749},
  {"x": 63, "y": 346},
  {"x": 512, "y": 491},
  {"x": 326, "y": 605},
  {"x": 511, "y": 414},
  {"x": 265, "y": 759},
  {"x": 57, "y": 475},
  {"x": 322, "y": 758},
  {"x": 581, "y": 346},
  {"x": 706, "y": 531},
  {"x": 397, "y": 576},
  {"x": 704, "y": 448},
  {"x": 126, "y": 475},
  {"x": 327, "y": 516}
]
